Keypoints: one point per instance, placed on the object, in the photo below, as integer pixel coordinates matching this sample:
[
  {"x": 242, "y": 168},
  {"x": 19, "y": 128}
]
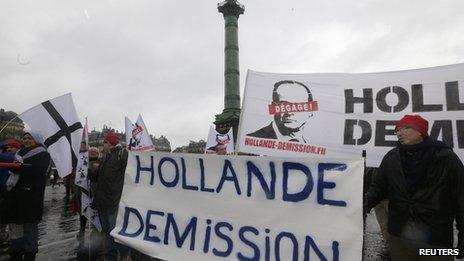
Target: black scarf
[{"x": 416, "y": 159}]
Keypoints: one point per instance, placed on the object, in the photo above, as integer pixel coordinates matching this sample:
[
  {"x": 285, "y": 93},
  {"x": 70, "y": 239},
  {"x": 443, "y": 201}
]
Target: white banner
[
  {"x": 198, "y": 207},
  {"x": 137, "y": 136},
  {"x": 56, "y": 120},
  {"x": 218, "y": 143},
  {"x": 339, "y": 115}
]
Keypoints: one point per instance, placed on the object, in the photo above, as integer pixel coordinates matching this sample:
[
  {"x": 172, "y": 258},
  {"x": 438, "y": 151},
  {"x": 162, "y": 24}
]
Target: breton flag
[
  {"x": 137, "y": 136},
  {"x": 83, "y": 181},
  {"x": 56, "y": 120},
  {"x": 82, "y": 168},
  {"x": 218, "y": 143}
]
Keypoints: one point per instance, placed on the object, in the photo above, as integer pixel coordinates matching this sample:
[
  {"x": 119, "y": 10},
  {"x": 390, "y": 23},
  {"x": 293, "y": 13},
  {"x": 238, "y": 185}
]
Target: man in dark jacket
[
  {"x": 423, "y": 179},
  {"x": 26, "y": 198},
  {"x": 108, "y": 192}
]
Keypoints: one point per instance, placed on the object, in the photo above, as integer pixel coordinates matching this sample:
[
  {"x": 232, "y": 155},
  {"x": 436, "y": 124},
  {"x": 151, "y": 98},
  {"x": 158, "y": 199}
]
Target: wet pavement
[{"x": 59, "y": 229}]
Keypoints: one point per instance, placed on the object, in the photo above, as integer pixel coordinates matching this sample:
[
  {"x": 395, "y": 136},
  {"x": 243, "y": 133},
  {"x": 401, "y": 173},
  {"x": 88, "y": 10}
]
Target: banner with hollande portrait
[
  {"x": 215, "y": 207},
  {"x": 218, "y": 143},
  {"x": 341, "y": 114}
]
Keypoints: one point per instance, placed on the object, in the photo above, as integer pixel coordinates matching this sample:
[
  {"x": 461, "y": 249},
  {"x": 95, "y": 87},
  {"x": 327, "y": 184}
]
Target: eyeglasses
[{"x": 401, "y": 129}]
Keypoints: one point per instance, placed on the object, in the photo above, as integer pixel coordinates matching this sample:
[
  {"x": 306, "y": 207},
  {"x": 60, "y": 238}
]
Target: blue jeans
[
  {"x": 108, "y": 222},
  {"x": 29, "y": 242}
]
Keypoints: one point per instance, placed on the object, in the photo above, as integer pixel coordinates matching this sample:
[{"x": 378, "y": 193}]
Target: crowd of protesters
[
  {"x": 418, "y": 191},
  {"x": 23, "y": 194},
  {"x": 22, "y": 187}
]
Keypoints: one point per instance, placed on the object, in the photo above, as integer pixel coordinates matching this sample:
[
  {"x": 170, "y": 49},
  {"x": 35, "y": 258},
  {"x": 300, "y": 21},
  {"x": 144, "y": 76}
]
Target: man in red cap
[
  {"x": 423, "y": 179},
  {"x": 108, "y": 193}
]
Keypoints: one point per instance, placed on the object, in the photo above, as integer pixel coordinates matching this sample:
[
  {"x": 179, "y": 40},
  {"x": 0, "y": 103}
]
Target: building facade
[{"x": 193, "y": 147}]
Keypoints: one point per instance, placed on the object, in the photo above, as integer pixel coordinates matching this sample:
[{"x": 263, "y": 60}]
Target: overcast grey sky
[{"x": 165, "y": 59}]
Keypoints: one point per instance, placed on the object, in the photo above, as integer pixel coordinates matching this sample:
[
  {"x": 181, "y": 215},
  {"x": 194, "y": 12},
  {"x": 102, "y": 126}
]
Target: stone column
[{"x": 231, "y": 9}]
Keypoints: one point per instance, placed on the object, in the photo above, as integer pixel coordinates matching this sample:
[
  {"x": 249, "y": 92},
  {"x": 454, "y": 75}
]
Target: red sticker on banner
[
  {"x": 287, "y": 107},
  {"x": 136, "y": 131}
]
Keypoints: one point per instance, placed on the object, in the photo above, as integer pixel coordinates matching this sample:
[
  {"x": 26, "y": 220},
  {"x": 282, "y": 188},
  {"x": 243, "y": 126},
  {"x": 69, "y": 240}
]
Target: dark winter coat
[
  {"x": 428, "y": 196},
  {"x": 111, "y": 178},
  {"x": 26, "y": 198},
  {"x": 5, "y": 172}
]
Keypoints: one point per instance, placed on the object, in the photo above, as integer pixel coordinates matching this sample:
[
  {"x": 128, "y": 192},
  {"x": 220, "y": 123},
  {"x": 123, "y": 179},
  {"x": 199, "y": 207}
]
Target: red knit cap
[
  {"x": 416, "y": 122},
  {"x": 14, "y": 144},
  {"x": 112, "y": 139}
]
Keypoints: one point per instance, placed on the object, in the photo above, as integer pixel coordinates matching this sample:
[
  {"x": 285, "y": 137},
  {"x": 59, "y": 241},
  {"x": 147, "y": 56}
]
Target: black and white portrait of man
[{"x": 292, "y": 106}]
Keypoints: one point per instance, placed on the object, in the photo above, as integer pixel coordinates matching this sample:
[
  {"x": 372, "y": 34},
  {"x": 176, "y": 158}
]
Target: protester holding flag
[
  {"x": 27, "y": 198},
  {"x": 423, "y": 179},
  {"x": 108, "y": 193}
]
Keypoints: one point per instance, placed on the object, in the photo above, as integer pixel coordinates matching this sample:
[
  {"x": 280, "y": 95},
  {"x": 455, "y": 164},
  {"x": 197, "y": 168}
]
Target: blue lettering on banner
[
  {"x": 140, "y": 168},
  {"x": 294, "y": 242},
  {"x": 268, "y": 190},
  {"x": 267, "y": 253},
  {"x": 207, "y": 236},
  {"x": 173, "y": 183},
  {"x": 191, "y": 228},
  {"x": 169, "y": 175},
  {"x": 127, "y": 212},
  {"x": 310, "y": 244},
  {"x": 202, "y": 181},
  {"x": 241, "y": 235},
  {"x": 224, "y": 177},
  {"x": 223, "y": 232},
  {"x": 184, "y": 177},
  {"x": 302, "y": 195},
  {"x": 149, "y": 226},
  {"x": 230, "y": 244},
  {"x": 321, "y": 184}
]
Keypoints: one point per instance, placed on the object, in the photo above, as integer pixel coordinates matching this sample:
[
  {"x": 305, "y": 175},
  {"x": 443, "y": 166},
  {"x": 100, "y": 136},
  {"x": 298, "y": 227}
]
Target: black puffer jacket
[
  {"x": 111, "y": 178},
  {"x": 430, "y": 196},
  {"x": 25, "y": 200}
]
